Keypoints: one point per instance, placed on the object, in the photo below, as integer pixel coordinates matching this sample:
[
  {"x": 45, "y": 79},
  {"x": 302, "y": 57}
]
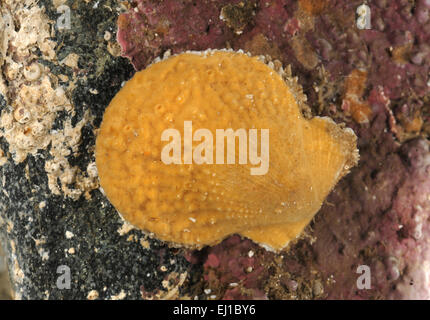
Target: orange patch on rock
[
  {"x": 260, "y": 45},
  {"x": 413, "y": 125},
  {"x": 123, "y": 22},
  {"x": 401, "y": 54},
  {"x": 304, "y": 52},
  {"x": 313, "y": 7},
  {"x": 360, "y": 111},
  {"x": 355, "y": 85}
]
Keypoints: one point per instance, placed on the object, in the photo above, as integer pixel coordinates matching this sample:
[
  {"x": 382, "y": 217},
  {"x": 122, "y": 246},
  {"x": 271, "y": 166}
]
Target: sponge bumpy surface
[{"x": 197, "y": 205}]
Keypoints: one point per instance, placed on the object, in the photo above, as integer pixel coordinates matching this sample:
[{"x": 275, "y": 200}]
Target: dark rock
[{"x": 44, "y": 231}]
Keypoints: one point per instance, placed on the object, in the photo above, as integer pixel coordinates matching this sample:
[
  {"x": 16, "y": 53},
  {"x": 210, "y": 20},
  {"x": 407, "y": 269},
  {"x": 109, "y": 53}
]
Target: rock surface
[
  {"x": 51, "y": 211},
  {"x": 377, "y": 82}
]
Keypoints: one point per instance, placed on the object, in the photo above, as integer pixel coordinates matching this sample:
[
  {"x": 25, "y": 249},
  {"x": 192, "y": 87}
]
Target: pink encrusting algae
[{"x": 379, "y": 214}]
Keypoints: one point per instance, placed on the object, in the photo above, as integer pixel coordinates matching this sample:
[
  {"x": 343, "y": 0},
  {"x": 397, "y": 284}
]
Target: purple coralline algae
[{"x": 377, "y": 81}]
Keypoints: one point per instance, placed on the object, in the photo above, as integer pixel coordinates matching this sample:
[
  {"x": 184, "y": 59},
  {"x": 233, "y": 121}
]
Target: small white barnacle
[
  {"x": 22, "y": 115},
  {"x": 33, "y": 71}
]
